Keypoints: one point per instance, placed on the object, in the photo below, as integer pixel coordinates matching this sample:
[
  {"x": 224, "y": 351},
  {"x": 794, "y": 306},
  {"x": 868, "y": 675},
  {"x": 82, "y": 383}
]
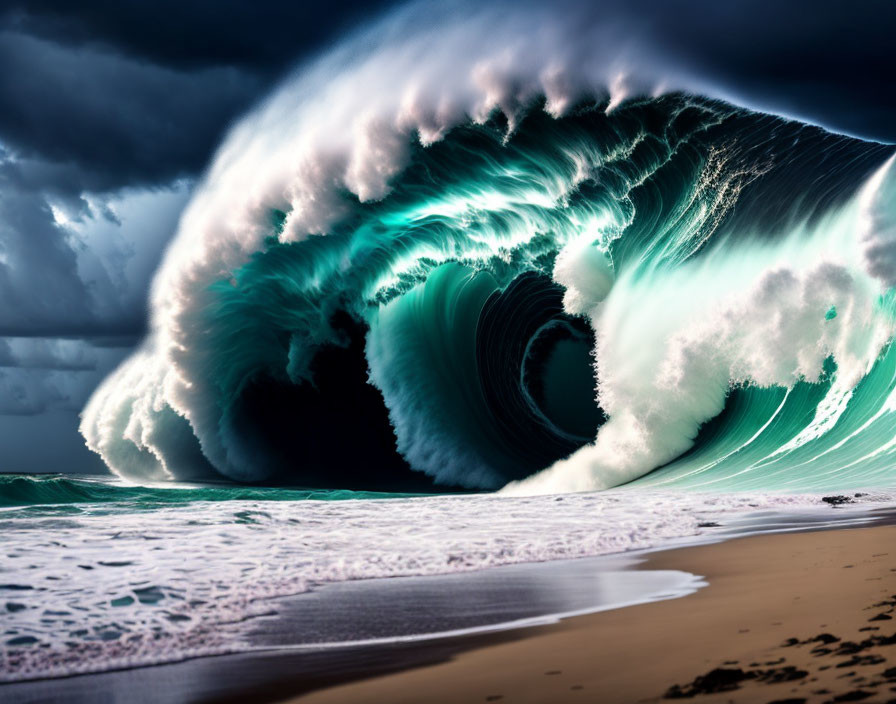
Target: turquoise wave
[
  {"x": 18, "y": 490},
  {"x": 675, "y": 291},
  {"x": 783, "y": 438}
]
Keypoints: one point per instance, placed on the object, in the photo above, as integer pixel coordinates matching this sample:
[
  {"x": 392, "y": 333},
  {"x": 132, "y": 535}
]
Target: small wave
[{"x": 48, "y": 494}]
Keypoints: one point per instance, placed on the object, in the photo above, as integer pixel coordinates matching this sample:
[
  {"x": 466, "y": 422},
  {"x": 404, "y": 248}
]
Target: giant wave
[{"x": 500, "y": 253}]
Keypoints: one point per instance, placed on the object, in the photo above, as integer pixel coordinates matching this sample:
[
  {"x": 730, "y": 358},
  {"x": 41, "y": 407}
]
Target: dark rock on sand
[
  {"x": 727, "y": 679},
  {"x": 856, "y": 695},
  {"x": 836, "y": 500},
  {"x": 722, "y": 679}
]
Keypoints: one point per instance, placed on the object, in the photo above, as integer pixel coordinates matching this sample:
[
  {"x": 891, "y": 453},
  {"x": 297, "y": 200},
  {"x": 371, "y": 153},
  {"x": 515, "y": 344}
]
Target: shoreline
[
  {"x": 763, "y": 590},
  {"x": 358, "y": 671}
]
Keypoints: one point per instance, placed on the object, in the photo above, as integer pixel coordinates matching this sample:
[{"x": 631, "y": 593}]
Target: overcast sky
[{"x": 110, "y": 111}]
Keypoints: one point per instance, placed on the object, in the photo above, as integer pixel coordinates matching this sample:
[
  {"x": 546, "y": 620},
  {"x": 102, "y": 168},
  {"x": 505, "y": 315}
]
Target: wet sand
[{"x": 796, "y": 617}]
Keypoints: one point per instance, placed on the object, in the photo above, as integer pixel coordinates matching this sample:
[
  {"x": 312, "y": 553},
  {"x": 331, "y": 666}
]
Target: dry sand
[{"x": 811, "y": 587}]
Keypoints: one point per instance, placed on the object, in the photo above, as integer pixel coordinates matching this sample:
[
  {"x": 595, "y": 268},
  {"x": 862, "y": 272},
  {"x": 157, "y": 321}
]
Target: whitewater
[{"x": 475, "y": 287}]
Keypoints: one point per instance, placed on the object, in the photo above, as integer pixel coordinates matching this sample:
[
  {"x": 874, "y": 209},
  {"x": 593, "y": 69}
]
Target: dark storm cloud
[
  {"x": 120, "y": 121},
  {"x": 45, "y": 353},
  {"x": 264, "y": 35},
  {"x": 825, "y": 61},
  {"x": 43, "y": 374},
  {"x": 30, "y": 394},
  {"x": 39, "y": 283},
  {"x": 74, "y": 264},
  {"x": 52, "y": 378},
  {"x": 7, "y": 356},
  {"x": 137, "y": 92}
]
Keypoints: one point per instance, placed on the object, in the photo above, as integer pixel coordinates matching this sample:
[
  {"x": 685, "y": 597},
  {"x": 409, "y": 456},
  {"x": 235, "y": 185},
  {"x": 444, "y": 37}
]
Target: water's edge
[{"x": 411, "y": 621}]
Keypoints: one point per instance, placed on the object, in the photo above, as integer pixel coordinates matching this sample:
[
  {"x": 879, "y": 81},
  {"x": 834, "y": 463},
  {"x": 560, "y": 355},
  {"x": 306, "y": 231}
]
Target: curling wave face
[{"x": 508, "y": 269}]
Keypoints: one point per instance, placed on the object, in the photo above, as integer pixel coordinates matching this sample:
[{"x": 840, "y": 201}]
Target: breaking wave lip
[{"x": 416, "y": 210}]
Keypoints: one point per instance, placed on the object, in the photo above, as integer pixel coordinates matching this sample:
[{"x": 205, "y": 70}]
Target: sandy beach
[{"x": 797, "y": 617}]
